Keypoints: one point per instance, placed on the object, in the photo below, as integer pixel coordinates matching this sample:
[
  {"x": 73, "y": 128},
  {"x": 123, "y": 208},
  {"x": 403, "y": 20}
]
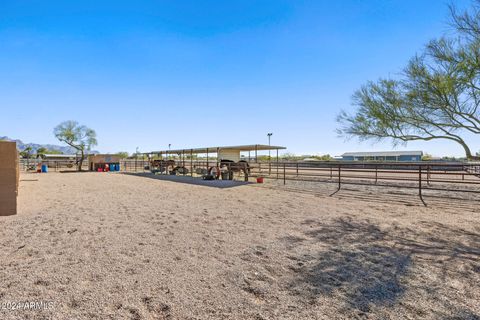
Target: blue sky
[{"x": 203, "y": 73}]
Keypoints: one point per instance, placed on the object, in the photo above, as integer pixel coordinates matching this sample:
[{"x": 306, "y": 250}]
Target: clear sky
[{"x": 205, "y": 73}]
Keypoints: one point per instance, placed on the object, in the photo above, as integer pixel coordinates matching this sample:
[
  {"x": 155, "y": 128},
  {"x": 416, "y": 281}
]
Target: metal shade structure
[
  {"x": 241, "y": 148},
  {"x": 224, "y": 152}
]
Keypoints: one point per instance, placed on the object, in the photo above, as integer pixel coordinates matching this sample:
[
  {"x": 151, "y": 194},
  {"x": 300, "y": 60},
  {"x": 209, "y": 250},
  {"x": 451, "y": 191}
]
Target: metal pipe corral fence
[{"x": 423, "y": 176}]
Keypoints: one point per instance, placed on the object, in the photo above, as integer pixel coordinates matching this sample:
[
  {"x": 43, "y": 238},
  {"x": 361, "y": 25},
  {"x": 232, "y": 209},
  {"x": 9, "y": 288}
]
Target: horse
[
  {"x": 161, "y": 165},
  {"x": 232, "y": 167}
]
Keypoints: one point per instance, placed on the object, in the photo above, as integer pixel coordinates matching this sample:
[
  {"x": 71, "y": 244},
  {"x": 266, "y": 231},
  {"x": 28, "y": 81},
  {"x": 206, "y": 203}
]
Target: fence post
[
  {"x": 339, "y": 179},
  {"x": 376, "y": 173},
  {"x": 183, "y": 161},
  {"x": 420, "y": 185},
  {"x": 284, "y": 174},
  {"x": 428, "y": 175},
  {"x": 339, "y": 176},
  {"x": 297, "y": 169}
]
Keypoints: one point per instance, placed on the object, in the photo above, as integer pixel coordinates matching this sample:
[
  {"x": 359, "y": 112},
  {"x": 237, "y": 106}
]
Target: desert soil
[{"x": 125, "y": 246}]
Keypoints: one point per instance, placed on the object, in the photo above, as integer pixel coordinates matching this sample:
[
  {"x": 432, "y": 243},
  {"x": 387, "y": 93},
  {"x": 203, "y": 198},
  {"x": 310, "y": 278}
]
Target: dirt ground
[{"x": 125, "y": 246}]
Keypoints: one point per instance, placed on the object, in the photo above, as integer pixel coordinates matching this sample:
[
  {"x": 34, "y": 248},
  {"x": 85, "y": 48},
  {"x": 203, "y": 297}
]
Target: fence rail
[{"x": 423, "y": 176}]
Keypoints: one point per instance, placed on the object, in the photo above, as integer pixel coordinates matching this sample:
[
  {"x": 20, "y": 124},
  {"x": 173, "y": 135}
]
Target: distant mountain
[{"x": 35, "y": 146}]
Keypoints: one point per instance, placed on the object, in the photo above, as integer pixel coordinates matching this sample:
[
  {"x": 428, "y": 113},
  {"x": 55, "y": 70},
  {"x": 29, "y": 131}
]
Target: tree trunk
[{"x": 80, "y": 163}]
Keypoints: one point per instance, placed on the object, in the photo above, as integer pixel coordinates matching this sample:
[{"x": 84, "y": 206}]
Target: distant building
[
  {"x": 59, "y": 157},
  {"x": 103, "y": 161},
  {"x": 383, "y": 156}
]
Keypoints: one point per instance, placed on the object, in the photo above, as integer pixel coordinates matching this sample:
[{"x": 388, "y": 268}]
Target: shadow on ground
[
  {"x": 369, "y": 267},
  {"x": 221, "y": 184},
  {"x": 353, "y": 268},
  {"x": 358, "y": 263}
]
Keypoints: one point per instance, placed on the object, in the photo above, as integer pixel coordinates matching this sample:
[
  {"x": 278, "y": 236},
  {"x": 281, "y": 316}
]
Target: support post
[
  {"x": 269, "y": 165},
  {"x": 284, "y": 174},
  {"x": 277, "y": 163}
]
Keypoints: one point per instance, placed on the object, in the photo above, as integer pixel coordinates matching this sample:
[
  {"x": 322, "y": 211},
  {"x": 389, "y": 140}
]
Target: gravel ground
[{"x": 119, "y": 246}]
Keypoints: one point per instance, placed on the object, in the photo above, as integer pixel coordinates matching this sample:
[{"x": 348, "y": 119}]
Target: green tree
[
  {"x": 427, "y": 157},
  {"x": 289, "y": 156},
  {"x": 436, "y": 97},
  {"x": 325, "y": 157},
  {"x": 26, "y": 153},
  {"x": 77, "y": 136},
  {"x": 122, "y": 154},
  {"x": 41, "y": 151}
]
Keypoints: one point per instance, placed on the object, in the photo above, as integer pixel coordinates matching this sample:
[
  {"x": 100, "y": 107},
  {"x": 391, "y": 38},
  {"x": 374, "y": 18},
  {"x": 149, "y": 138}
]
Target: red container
[
  {"x": 260, "y": 180},
  {"x": 100, "y": 170}
]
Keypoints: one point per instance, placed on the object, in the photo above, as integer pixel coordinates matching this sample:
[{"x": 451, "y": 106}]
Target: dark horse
[
  {"x": 232, "y": 167},
  {"x": 167, "y": 166},
  {"x": 161, "y": 165}
]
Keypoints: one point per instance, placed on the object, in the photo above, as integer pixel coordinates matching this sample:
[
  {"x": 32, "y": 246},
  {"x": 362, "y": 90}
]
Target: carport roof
[{"x": 248, "y": 147}]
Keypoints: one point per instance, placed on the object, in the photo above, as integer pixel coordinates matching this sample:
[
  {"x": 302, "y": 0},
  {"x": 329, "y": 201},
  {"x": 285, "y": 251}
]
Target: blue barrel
[
  {"x": 117, "y": 167},
  {"x": 44, "y": 168}
]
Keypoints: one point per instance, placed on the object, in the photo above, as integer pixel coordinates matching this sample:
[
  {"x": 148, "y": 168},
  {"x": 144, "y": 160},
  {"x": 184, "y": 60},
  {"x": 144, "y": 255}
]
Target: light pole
[{"x": 269, "y": 135}]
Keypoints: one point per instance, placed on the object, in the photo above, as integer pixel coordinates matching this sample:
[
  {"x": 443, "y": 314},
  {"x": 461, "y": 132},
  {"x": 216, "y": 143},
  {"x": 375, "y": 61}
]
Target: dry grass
[{"x": 117, "y": 246}]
